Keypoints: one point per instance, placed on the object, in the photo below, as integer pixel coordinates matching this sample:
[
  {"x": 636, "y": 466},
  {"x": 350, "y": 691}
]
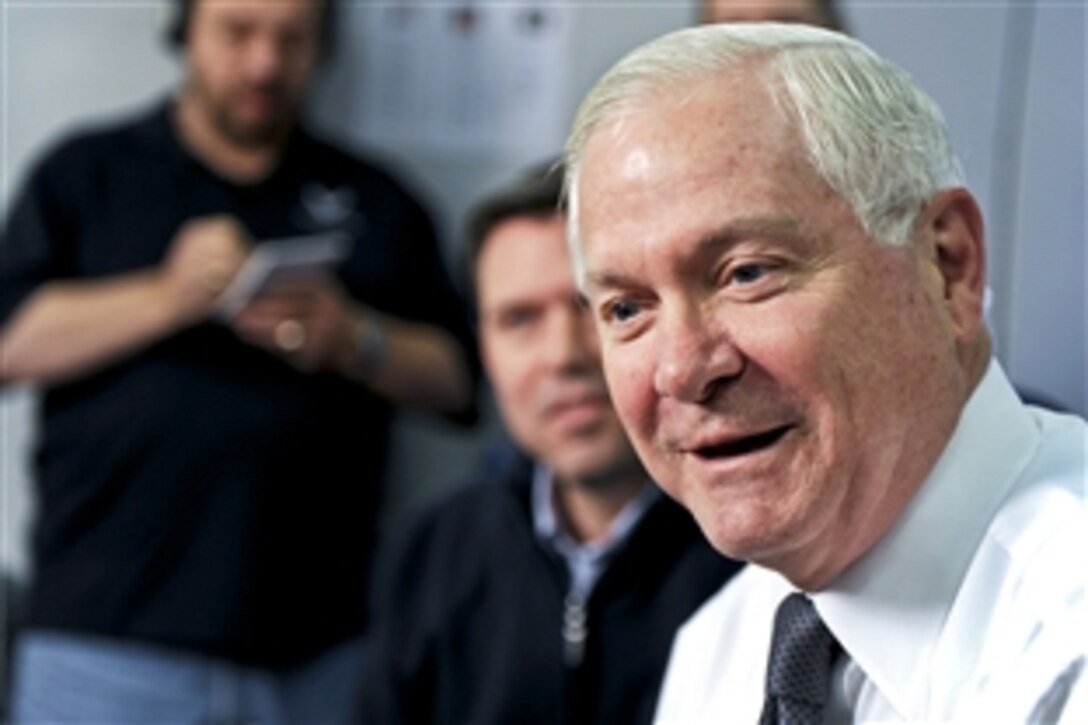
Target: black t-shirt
[{"x": 203, "y": 493}]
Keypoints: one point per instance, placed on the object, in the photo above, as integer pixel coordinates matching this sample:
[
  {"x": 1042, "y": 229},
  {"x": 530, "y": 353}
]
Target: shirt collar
[
  {"x": 888, "y": 609},
  {"x": 550, "y": 529}
]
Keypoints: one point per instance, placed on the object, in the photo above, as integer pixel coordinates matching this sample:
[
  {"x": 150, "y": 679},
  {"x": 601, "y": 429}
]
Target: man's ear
[{"x": 953, "y": 228}]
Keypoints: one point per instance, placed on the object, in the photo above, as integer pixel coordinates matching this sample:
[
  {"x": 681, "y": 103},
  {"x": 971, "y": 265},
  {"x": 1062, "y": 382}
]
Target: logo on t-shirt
[{"x": 323, "y": 207}]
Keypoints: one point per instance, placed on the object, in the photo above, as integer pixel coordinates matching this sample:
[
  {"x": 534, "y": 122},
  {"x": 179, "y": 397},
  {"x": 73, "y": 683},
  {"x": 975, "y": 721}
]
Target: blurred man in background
[
  {"x": 209, "y": 478},
  {"x": 549, "y": 590},
  {"x": 824, "y": 13}
]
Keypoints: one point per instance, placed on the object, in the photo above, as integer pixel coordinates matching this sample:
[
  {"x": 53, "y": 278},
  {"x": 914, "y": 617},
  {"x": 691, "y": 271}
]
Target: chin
[
  {"x": 738, "y": 534},
  {"x": 601, "y": 464},
  {"x": 253, "y": 132},
  {"x": 722, "y": 542}
]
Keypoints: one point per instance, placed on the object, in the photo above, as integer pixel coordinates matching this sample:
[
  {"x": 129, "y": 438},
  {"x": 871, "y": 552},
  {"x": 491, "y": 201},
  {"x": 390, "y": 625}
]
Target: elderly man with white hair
[{"x": 787, "y": 272}]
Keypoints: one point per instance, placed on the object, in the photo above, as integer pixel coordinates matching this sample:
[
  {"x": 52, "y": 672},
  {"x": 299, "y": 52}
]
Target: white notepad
[{"x": 278, "y": 259}]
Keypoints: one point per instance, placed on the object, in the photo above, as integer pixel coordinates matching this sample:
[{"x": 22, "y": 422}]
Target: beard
[{"x": 255, "y": 132}]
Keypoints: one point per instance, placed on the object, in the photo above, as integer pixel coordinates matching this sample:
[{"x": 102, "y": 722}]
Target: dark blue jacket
[{"x": 467, "y": 628}]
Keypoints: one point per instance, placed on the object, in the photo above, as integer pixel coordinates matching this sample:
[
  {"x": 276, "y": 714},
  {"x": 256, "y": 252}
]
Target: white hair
[{"x": 867, "y": 129}]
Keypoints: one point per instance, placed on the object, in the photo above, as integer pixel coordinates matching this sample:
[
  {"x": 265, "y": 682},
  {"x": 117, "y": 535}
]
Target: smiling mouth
[{"x": 742, "y": 446}]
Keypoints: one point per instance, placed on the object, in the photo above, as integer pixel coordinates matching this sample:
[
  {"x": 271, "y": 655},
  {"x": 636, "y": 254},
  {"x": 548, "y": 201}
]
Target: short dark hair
[
  {"x": 177, "y": 29},
  {"x": 829, "y": 9},
  {"x": 536, "y": 193},
  {"x": 832, "y": 15}
]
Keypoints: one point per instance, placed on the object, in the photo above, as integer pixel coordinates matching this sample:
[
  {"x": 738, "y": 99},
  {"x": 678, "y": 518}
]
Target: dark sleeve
[
  {"x": 398, "y": 686},
  {"x": 35, "y": 243},
  {"x": 426, "y": 292}
]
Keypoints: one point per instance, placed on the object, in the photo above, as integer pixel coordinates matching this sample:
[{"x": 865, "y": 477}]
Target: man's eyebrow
[
  {"x": 711, "y": 244},
  {"x": 738, "y": 230},
  {"x": 607, "y": 280}
]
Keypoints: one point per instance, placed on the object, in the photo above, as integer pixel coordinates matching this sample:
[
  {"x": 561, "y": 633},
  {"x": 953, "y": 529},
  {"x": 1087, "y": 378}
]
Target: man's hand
[
  {"x": 202, "y": 260},
  {"x": 309, "y": 321},
  {"x": 70, "y": 328}
]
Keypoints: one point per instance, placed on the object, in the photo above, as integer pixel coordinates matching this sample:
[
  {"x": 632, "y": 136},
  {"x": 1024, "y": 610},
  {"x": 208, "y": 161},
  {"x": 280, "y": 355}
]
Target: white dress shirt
[{"x": 970, "y": 608}]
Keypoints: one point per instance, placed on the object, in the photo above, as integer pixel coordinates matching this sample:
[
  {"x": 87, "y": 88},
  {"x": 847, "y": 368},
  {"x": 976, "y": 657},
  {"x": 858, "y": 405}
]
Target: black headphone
[{"x": 177, "y": 28}]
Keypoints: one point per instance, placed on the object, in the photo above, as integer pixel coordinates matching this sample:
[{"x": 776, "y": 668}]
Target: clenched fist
[{"x": 202, "y": 260}]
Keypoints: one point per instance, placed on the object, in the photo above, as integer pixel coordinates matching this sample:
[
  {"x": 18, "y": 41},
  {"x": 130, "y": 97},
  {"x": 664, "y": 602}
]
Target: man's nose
[
  {"x": 694, "y": 356},
  {"x": 572, "y": 341},
  {"x": 265, "y": 58}
]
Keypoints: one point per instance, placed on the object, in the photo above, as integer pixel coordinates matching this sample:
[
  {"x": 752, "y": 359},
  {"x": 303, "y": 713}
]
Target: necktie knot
[{"x": 803, "y": 652}]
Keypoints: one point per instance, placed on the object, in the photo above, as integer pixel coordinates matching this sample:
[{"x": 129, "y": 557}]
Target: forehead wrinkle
[
  {"x": 651, "y": 151},
  {"x": 741, "y": 228},
  {"x": 784, "y": 229}
]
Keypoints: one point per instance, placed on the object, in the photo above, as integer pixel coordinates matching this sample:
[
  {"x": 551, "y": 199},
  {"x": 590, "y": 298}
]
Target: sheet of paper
[
  {"x": 467, "y": 77},
  {"x": 278, "y": 259}
]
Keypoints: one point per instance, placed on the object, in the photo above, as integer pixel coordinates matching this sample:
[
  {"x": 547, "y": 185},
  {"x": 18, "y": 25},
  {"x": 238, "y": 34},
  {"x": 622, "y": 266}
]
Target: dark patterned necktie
[{"x": 803, "y": 652}]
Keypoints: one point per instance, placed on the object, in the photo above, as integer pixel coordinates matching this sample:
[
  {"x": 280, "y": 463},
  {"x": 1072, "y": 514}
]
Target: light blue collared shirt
[{"x": 585, "y": 561}]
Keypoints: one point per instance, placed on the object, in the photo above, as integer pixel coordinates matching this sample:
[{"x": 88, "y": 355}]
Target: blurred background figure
[
  {"x": 11, "y": 600},
  {"x": 208, "y": 481},
  {"x": 824, "y": 13},
  {"x": 548, "y": 590}
]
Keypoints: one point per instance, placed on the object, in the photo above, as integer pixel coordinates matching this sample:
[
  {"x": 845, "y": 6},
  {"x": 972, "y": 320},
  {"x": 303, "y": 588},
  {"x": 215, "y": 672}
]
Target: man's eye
[
  {"x": 236, "y": 33},
  {"x": 620, "y": 311},
  {"x": 748, "y": 273},
  {"x": 296, "y": 42},
  {"x": 517, "y": 319}
]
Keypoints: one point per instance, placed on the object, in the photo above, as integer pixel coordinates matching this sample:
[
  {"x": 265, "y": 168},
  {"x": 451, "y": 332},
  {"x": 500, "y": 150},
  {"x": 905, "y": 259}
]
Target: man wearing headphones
[{"x": 209, "y": 478}]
